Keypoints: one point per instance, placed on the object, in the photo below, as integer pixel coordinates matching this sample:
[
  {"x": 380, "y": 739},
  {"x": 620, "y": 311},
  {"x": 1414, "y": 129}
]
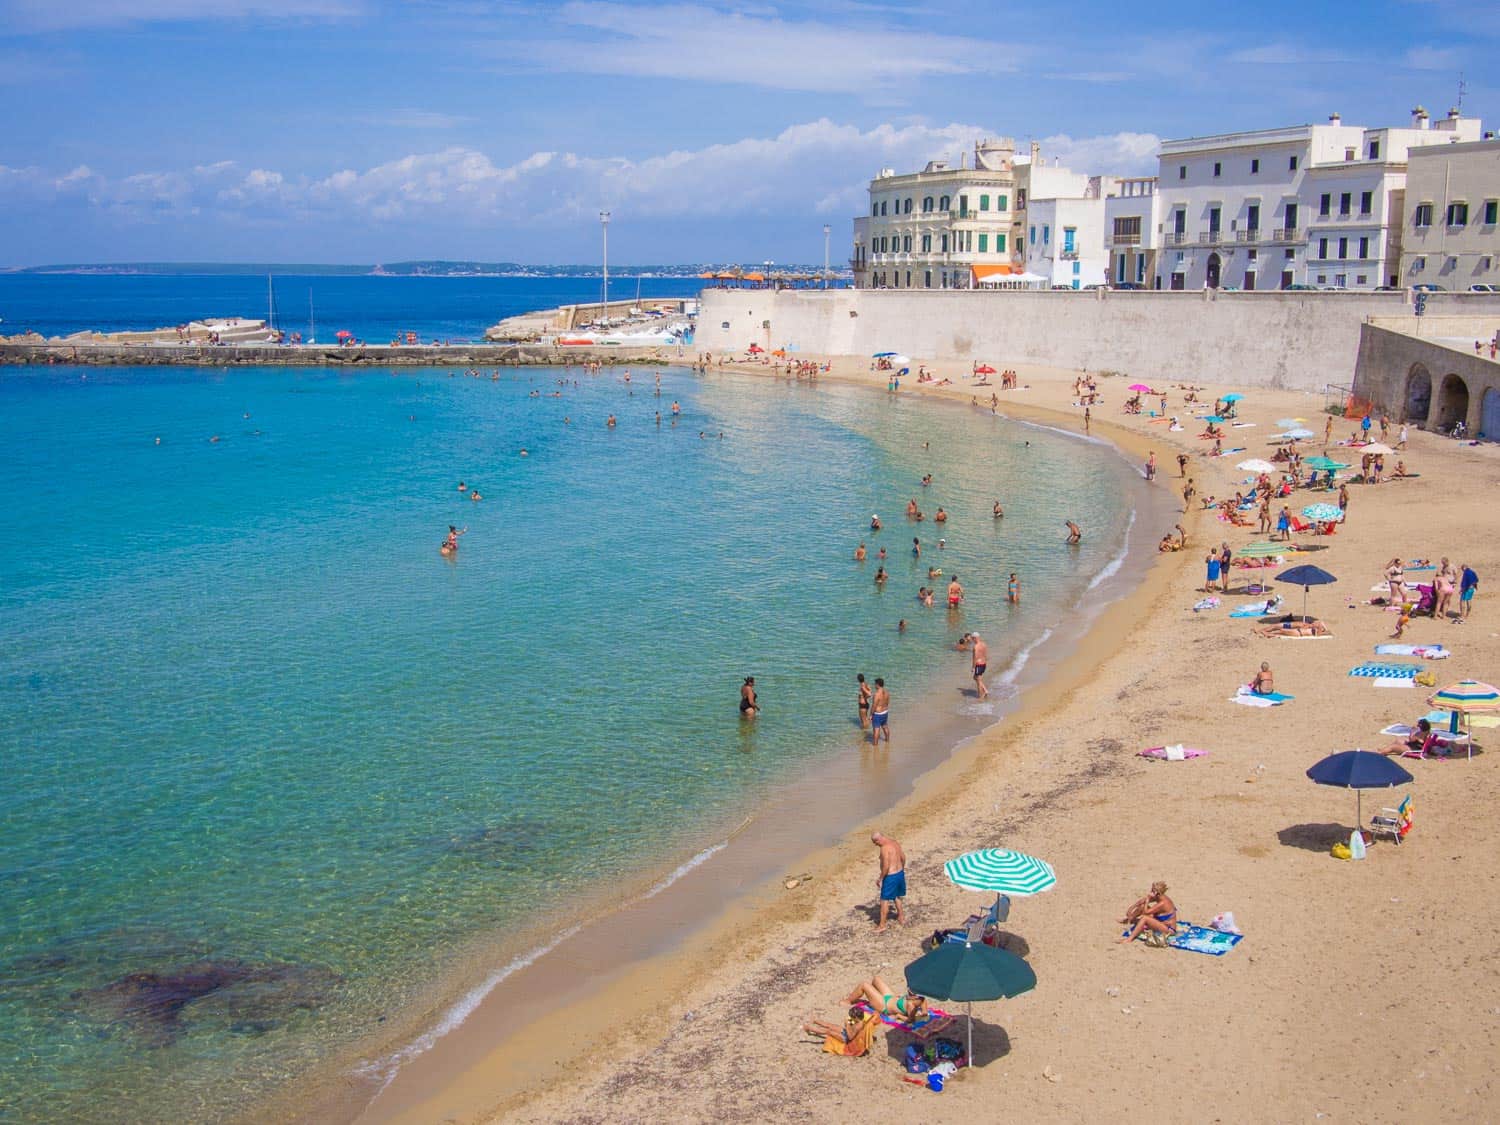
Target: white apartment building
[
  {"x": 934, "y": 228},
  {"x": 1313, "y": 205},
  {"x": 1452, "y": 234},
  {"x": 1064, "y": 240},
  {"x": 1131, "y": 230}
]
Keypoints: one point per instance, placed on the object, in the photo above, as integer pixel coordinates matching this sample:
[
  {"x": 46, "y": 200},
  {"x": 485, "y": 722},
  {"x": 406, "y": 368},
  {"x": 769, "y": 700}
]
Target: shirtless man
[
  {"x": 942, "y": 516},
  {"x": 980, "y": 661},
  {"x": 999, "y": 514},
  {"x": 955, "y": 593},
  {"x": 880, "y": 714},
  {"x": 892, "y": 881},
  {"x": 1074, "y": 534},
  {"x": 859, "y": 553}
]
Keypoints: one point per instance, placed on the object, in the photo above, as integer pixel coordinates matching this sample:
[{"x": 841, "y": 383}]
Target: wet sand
[{"x": 1362, "y": 991}]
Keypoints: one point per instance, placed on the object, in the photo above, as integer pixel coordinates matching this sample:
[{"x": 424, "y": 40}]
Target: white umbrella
[
  {"x": 900, "y": 361},
  {"x": 1256, "y": 465},
  {"x": 1378, "y": 447}
]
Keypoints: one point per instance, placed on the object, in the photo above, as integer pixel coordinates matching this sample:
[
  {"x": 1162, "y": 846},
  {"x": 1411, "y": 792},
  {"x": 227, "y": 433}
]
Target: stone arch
[
  {"x": 1418, "y": 397},
  {"x": 1489, "y": 414},
  {"x": 1215, "y": 269},
  {"x": 1453, "y": 401}
]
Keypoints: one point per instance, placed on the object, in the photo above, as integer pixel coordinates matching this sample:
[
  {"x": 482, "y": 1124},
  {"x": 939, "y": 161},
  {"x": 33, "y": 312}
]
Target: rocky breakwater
[{"x": 28, "y": 350}]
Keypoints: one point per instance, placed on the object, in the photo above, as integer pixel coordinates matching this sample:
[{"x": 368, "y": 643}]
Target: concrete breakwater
[
  {"x": 285, "y": 355},
  {"x": 1292, "y": 340}
]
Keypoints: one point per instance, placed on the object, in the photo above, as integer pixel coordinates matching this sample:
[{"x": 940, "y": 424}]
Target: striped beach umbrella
[
  {"x": 1002, "y": 871},
  {"x": 1262, "y": 550},
  {"x": 1467, "y": 695},
  {"x": 1323, "y": 513}
]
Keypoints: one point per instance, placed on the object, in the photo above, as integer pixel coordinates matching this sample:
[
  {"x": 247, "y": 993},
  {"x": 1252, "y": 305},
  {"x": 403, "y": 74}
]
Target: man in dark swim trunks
[{"x": 981, "y": 659}]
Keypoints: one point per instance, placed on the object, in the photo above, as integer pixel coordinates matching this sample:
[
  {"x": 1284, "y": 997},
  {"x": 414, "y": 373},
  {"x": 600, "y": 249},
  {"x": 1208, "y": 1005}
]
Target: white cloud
[
  {"x": 819, "y": 169},
  {"x": 698, "y": 43},
  {"x": 1289, "y": 54},
  {"x": 73, "y": 15},
  {"x": 416, "y": 119}
]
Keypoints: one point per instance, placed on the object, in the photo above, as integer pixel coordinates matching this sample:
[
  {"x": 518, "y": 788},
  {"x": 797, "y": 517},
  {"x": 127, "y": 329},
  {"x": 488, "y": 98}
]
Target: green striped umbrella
[
  {"x": 1002, "y": 871},
  {"x": 1262, "y": 550}
]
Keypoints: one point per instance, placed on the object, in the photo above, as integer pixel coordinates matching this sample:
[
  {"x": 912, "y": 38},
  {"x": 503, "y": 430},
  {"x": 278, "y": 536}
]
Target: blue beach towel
[
  {"x": 1199, "y": 939},
  {"x": 1247, "y": 698},
  {"x": 1380, "y": 670}
]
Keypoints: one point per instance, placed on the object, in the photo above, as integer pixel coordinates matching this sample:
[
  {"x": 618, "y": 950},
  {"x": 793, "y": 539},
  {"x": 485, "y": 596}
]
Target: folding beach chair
[{"x": 1396, "y": 822}]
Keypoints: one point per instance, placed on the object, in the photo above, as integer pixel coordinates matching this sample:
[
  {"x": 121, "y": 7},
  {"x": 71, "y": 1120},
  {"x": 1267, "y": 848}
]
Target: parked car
[
  {"x": 1484, "y": 289},
  {"x": 1130, "y": 286},
  {"x": 1428, "y": 287},
  {"x": 1300, "y": 288}
]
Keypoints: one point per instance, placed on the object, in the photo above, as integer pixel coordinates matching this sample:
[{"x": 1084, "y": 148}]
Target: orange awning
[
  {"x": 982, "y": 272},
  {"x": 707, "y": 273},
  {"x": 755, "y": 277}
]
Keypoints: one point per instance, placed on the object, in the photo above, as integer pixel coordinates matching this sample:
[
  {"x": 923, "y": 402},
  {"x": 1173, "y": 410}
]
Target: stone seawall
[
  {"x": 1291, "y": 340},
  {"x": 269, "y": 355}
]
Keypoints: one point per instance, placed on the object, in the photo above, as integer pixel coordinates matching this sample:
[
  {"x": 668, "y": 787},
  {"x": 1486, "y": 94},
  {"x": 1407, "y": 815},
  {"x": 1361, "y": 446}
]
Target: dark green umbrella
[{"x": 959, "y": 970}]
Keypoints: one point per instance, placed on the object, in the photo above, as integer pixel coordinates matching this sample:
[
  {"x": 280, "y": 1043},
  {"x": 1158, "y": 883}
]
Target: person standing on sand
[
  {"x": 1468, "y": 586},
  {"x": 892, "y": 881},
  {"x": 1182, "y": 460},
  {"x": 1284, "y": 523},
  {"x": 880, "y": 714},
  {"x": 1074, "y": 534},
  {"x": 1328, "y": 431},
  {"x": 1401, "y": 442},
  {"x": 1086, "y": 418},
  {"x": 1188, "y": 492},
  {"x": 980, "y": 659}
]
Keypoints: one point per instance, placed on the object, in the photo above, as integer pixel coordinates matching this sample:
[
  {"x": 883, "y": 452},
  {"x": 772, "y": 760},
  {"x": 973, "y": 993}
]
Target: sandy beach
[{"x": 1362, "y": 991}]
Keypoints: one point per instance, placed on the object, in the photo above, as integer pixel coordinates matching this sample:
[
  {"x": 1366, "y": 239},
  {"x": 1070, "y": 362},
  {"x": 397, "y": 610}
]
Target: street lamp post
[
  {"x": 604, "y": 226},
  {"x": 827, "y": 230}
]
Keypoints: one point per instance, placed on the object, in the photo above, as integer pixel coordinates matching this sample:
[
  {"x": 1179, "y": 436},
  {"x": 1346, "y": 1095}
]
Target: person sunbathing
[
  {"x": 1264, "y": 683},
  {"x": 1155, "y": 912},
  {"x": 1419, "y": 740},
  {"x": 851, "y": 1039},
  {"x": 886, "y": 1002},
  {"x": 1295, "y": 629}
]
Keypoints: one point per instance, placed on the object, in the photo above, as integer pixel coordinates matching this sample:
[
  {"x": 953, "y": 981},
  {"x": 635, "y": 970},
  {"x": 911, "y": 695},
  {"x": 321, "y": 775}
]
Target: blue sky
[{"x": 372, "y": 130}]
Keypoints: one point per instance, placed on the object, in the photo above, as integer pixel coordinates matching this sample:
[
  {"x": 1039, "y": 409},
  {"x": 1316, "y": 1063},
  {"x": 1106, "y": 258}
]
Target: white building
[
  {"x": 1452, "y": 233},
  {"x": 1316, "y": 205},
  {"x": 932, "y": 229},
  {"x": 1065, "y": 238},
  {"x": 1131, "y": 230}
]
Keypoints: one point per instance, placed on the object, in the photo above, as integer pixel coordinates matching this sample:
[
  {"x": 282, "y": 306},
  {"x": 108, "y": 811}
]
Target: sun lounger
[{"x": 1397, "y": 822}]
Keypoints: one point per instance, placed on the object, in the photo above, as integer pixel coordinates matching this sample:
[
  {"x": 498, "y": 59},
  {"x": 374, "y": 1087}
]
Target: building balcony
[
  {"x": 1067, "y": 255},
  {"x": 1286, "y": 234},
  {"x": 1250, "y": 234},
  {"x": 1174, "y": 238},
  {"x": 1211, "y": 237},
  {"x": 1125, "y": 240}
]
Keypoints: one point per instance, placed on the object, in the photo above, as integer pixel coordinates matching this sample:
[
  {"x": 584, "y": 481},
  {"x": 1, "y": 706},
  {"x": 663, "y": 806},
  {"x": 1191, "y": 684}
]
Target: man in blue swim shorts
[{"x": 892, "y": 879}]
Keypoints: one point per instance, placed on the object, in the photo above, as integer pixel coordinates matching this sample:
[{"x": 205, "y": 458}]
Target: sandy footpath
[{"x": 1362, "y": 992}]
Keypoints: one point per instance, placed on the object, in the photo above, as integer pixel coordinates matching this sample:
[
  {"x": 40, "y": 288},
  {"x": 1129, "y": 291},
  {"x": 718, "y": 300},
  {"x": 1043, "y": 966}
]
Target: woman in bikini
[
  {"x": 886, "y": 1002},
  {"x": 864, "y": 702},
  {"x": 1155, "y": 912}
]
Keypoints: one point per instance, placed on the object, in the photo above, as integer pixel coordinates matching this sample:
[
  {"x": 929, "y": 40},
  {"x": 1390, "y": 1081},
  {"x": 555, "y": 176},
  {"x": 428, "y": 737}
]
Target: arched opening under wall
[
  {"x": 1489, "y": 414},
  {"x": 1418, "y": 394},
  {"x": 1215, "y": 267},
  {"x": 1453, "y": 402}
]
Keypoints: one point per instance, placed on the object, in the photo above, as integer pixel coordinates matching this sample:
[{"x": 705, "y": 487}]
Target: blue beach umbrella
[
  {"x": 1235, "y": 397},
  {"x": 1306, "y": 576},
  {"x": 1358, "y": 770},
  {"x": 1323, "y": 513},
  {"x": 882, "y": 355},
  {"x": 1212, "y": 418}
]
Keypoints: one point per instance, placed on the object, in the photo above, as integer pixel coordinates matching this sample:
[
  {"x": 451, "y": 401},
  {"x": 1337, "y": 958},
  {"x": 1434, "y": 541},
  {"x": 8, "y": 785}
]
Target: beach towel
[
  {"x": 1227, "y": 452},
  {"x": 1176, "y": 753},
  {"x": 1242, "y": 425},
  {"x": 1205, "y": 603},
  {"x": 1200, "y": 939},
  {"x": 924, "y": 1026},
  {"x": 1247, "y": 698},
  {"x": 1385, "y": 669},
  {"x": 1259, "y": 609},
  {"x": 1426, "y": 652},
  {"x": 1428, "y": 566},
  {"x": 1398, "y": 730},
  {"x": 1392, "y": 681}
]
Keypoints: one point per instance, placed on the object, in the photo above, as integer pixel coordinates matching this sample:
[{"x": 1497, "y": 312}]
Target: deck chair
[
  {"x": 1300, "y": 525},
  {"x": 986, "y": 925},
  {"x": 1396, "y": 822}
]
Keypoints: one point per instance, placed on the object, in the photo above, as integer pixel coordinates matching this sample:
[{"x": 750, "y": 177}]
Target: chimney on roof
[
  {"x": 1453, "y": 114},
  {"x": 1419, "y": 118},
  {"x": 1036, "y": 152},
  {"x": 1334, "y": 118}
]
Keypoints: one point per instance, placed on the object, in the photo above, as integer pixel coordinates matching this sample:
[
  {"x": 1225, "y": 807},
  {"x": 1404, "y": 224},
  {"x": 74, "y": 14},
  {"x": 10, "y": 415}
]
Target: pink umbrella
[
  {"x": 1142, "y": 387},
  {"x": 343, "y": 334},
  {"x": 984, "y": 369}
]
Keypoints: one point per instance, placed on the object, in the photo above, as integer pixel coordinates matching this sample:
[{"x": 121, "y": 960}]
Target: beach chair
[
  {"x": 1397, "y": 822},
  {"x": 983, "y": 928}
]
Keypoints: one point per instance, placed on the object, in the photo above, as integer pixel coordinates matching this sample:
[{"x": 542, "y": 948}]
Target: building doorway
[
  {"x": 1214, "y": 267},
  {"x": 1489, "y": 415},
  {"x": 1453, "y": 402},
  {"x": 1286, "y": 279},
  {"x": 1249, "y": 281},
  {"x": 1418, "y": 394}
]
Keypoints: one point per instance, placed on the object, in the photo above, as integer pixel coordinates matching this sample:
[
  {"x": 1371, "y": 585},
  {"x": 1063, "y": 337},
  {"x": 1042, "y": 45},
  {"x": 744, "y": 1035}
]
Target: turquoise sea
[{"x": 271, "y": 762}]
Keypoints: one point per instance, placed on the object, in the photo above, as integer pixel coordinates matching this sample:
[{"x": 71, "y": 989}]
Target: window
[
  {"x": 1349, "y": 153},
  {"x": 1291, "y": 253},
  {"x": 984, "y": 239},
  {"x": 927, "y": 245},
  {"x": 1325, "y": 204},
  {"x": 1213, "y": 220},
  {"x": 1033, "y": 235},
  {"x": 882, "y": 206},
  {"x": 1218, "y": 167},
  {"x": 906, "y": 244},
  {"x": 1364, "y": 248},
  {"x": 1001, "y": 203},
  {"x": 1252, "y": 218},
  {"x": 1374, "y": 155},
  {"x": 1322, "y": 279},
  {"x": 1322, "y": 248},
  {"x": 1140, "y": 267},
  {"x": 1254, "y": 167},
  {"x": 963, "y": 204},
  {"x": 1291, "y": 163},
  {"x": 945, "y": 244},
  {"x": 1182, "y": 171},
  {"x": 1365, "y": 200},
  {"x": 1343, "y": 248},
  {"x": 874, "y": 208},
  {"x": 943, "y": 203},
  {"x": 1421, "y": 215},
  {"x": 1485, "y": 263},
  {"x": 1046, "y": 234},
  {"x": 1252, "y": 254},
  {"x": 999, "y": 244},
  {"x": 984, "y": 203},
  {"x": 1128, "y": 229},
  {"x": 1345, "y": 201},
  {"x": 1491, "y": 207},
  {"x": 1418, "y": 264},
  {"x": 1458, "y": 214},
  {"x": 926, "y": 204},
  {"x": 1076, "y": 269},
  {"x": 1360, "y": 279},
  {"x": 927, "y": 279},
  {"x": 1020, "y": 199},
  {"x": 907, "y": 208}
]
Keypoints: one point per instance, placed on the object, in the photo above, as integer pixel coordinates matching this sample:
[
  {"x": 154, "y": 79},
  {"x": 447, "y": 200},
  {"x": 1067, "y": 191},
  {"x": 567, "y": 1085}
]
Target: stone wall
[
  {"x": 1291, "y": 340},
  {"x": 1427, "y": 382},
  {"x": 243, "y": 355}
]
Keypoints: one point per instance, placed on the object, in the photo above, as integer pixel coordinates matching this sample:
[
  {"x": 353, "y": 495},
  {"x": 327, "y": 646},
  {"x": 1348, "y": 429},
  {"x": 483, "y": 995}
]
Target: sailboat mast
[{"x": 270, "y": 304}]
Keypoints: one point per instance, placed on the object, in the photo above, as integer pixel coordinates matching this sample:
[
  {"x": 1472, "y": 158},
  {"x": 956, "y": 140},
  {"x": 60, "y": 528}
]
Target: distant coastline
[{"x": 433, "y": 268}]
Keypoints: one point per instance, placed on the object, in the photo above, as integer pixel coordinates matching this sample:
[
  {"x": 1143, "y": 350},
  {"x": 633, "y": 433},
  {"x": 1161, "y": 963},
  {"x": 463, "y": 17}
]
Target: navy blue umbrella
[
  {"x": 1306, "y": 576},
  {"x": 1357, "y": 770}
]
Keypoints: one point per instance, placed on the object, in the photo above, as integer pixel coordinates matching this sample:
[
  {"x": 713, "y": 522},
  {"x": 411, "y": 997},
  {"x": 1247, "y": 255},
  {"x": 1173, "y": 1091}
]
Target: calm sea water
[
  {"x": 270, "y": 760},
  {"x": 373, "y": 308}
]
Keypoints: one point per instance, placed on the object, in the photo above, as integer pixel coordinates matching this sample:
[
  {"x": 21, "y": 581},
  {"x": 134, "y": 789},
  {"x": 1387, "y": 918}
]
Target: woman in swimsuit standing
[
  {"x": 864, "y": 702},
  {"x": 749, "y": 704}
]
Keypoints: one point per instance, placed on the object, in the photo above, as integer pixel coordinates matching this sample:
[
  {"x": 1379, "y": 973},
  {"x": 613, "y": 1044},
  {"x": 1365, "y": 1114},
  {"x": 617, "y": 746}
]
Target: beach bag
[
  {"x": 1340, "y": 850},
  {"x": 914, "y": 1060},
  {"x": 1426, "y": 679}
]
